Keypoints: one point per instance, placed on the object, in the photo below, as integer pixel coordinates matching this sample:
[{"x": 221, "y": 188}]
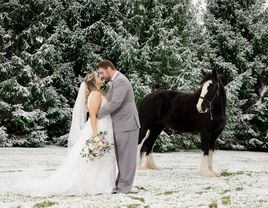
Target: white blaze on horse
[{"x": 202, "y": 111}]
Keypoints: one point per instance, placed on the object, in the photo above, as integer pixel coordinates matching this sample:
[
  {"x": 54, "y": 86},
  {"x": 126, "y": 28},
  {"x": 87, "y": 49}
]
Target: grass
[
  {"x": 225, "y": 173},
  {"x": 137, "y": 205},
  {"x": 133, "y": 205},
  {"x": 134, "y": 192},
  {"x": 239, "y": 188},
  {"x": 204, "y": 191},
  {"x": 225, "y": 191},
  {"x": 141, "y": 199},
  {"x": 168, "y": 192},
  {"x": 213, "y": 205},
  {"x": 141, "y": 188},
  {"x": 44, "y": 204},
  {"x": 226, "y": 200}
]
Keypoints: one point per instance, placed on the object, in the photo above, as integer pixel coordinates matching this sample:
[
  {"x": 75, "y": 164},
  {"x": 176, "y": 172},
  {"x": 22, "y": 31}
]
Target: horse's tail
[{"x": 144, "y": 134}]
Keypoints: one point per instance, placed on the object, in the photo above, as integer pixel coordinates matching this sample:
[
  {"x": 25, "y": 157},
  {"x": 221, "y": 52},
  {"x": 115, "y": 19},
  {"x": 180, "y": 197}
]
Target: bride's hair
[{"x": 91, "y": 85}]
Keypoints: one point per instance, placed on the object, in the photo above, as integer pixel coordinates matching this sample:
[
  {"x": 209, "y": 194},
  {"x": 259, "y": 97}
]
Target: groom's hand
[{"x": 120, "y": 90}]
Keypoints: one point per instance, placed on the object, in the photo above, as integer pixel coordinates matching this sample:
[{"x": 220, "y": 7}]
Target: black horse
[{"x": 200, "y": 112}]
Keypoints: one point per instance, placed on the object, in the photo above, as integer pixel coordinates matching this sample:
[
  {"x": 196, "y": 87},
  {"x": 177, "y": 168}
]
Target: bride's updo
[{"x": 90, "y": 81}]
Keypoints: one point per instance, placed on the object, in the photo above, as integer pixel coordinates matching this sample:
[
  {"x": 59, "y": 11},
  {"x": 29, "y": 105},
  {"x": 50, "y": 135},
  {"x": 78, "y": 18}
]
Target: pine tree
[
  {"x": 237, "y": 31},
  {"x": 164, "y": 40},
  {"x": 32, "y": 106},
  {"x": 48, "y": 46}
]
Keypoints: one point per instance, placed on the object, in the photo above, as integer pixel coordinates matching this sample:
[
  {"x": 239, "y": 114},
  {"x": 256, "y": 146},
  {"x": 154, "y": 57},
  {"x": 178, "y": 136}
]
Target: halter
[{"x": 211, "y": 101}]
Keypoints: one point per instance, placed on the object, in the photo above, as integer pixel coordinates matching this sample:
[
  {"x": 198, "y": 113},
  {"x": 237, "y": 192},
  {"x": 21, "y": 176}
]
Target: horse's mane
[{"x": 208, "y": 76}]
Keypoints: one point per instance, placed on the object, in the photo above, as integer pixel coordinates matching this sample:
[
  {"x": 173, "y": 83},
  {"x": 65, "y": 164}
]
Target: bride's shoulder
[{"x": 96, "y": 94}]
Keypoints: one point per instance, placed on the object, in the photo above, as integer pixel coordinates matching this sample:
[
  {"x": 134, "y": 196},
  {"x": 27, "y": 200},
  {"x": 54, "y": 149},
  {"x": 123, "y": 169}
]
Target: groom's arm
[{"x": 119, "y": 93}]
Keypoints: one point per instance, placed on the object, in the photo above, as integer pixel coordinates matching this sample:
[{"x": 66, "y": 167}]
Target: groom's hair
[{"x": 105, "y": 64}]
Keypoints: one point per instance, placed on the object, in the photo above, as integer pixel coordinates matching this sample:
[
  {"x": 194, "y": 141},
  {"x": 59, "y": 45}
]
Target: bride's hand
[{"x": 94, "y": 134}]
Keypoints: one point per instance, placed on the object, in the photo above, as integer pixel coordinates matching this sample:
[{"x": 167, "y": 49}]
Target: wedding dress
[{"x": 75, "y": 175}]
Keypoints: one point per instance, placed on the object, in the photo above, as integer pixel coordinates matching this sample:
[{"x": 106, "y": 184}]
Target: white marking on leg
[
  {"x": 139, "y": 157},
  {"x": 204, "y": 170},
  {"x": 150, "y": 164},
  {"x": 141, "y": 167},
  {"x": 210, "y": 157},
  {"x": 210, "y": 161},
  {"x": 202, "y": 94}
]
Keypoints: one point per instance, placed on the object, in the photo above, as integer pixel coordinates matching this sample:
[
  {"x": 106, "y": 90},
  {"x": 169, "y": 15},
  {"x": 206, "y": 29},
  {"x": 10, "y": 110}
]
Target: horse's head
[{"x": 209, "y": 92}]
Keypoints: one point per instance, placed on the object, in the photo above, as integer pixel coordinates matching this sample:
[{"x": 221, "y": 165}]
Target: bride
[{"x": 76, "y": 175}]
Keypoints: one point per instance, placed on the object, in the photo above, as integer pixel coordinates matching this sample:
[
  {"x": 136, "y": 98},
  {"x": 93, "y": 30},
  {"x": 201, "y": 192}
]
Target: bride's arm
[{"x": 95, "y": 101}]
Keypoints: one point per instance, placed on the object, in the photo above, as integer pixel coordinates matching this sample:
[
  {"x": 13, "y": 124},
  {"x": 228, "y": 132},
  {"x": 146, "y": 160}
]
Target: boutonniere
[
  {"x": 107, "y": 86},
  {"x": 110, "y": 84}
]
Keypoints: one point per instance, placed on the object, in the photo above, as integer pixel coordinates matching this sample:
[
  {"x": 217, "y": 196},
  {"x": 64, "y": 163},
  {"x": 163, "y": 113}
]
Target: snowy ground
[{"x": 244, "y": 181}]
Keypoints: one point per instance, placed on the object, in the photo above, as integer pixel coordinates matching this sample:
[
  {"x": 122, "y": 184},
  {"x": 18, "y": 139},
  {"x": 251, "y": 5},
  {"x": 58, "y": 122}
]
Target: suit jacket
[{"x": 121, "y": 105}]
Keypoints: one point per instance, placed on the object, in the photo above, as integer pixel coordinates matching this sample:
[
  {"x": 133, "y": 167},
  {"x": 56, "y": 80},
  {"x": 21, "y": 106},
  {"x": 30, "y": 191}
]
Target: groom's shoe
[{"x": 115, "y": 191}]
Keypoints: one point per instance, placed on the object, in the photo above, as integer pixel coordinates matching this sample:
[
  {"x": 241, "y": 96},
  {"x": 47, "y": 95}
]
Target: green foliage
[
  {"x": 3, "y": 136},
  {"x": 29, "y": 67},
  {"x": 46, "y": 47},
  {"x": 36, "y": 139},
  {"x": 236, "y": 31},
  {"x": 175, "y": 142},
  {"x": 45, "y": 204}
]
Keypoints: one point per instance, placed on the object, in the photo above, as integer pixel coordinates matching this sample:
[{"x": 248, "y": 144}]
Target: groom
[{"x": 125, "y": 120}]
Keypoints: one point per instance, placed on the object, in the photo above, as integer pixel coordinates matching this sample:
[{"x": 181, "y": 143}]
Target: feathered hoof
[
  {"x": 151, "y": 166},
  {"x": 206, "y": 173},
  {"x": 139, "y": 167},
  {"x": 217, "y": 174},
  {"x": 142, "y": 168}
]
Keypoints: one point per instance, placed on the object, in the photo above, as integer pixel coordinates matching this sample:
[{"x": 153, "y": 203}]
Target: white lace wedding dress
[{"x": 75, "y": 175}]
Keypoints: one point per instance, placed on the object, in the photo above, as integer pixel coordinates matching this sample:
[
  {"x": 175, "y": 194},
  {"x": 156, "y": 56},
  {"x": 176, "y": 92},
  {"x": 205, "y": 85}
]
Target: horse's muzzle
[{"x": 201, "y": 109}]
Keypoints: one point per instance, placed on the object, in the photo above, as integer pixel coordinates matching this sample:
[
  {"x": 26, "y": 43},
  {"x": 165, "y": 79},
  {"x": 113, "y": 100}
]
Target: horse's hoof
[
  {"x": 217, "y": 174},
  {"x": 214, "y": 172},
  {"x": 207, "y": 173},
  {"x": 152, "y": 167},
  {"x": 144, "y": 167},
  {"x": 141, "y": 168}
]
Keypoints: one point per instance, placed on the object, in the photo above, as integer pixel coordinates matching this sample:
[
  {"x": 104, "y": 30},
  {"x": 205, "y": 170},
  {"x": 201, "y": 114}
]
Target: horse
[{"x": 202, "y": 111}]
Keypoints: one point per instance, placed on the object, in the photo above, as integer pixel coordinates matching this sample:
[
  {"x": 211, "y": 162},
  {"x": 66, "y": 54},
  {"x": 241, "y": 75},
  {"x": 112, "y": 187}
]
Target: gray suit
[{"x": 126, "y": 126}]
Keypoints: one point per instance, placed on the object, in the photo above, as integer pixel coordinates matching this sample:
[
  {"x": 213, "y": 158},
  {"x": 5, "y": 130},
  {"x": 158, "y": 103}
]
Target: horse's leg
[
  {"x": 204, "y": 167},
  {"x": 150, "y": 164},
  {"x": 214, "y": 136},
  {"x": 143, "y": 135}
]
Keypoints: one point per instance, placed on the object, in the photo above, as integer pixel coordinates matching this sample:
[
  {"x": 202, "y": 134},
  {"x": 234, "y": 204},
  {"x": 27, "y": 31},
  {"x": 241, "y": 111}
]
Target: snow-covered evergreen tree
[
  {"x": 29, "y": 65},
  {"x": 236, "y": 35},
  {"x": 164, "y": 37},
  {"x": 47, "y": 46}
]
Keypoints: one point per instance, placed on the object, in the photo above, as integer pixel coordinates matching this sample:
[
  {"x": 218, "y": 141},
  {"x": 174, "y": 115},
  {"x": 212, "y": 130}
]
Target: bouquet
[{"x": 96, "y": 147}]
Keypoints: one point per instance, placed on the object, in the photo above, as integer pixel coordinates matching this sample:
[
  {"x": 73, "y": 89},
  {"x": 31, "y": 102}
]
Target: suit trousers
[{"x": 126, "y": 144}]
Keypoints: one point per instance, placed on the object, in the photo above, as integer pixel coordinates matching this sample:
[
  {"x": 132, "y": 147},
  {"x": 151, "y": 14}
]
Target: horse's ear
[
  {"x": 203, "y": 72},
  {"x": 214, "y": 74}
]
